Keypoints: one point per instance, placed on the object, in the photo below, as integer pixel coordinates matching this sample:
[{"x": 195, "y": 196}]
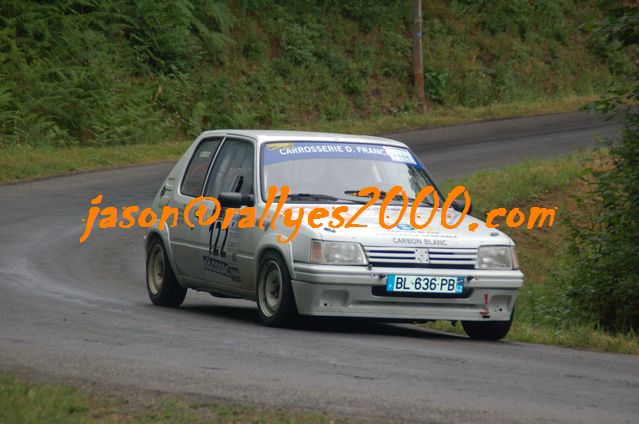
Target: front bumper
[{"x": 325, "y": 290}]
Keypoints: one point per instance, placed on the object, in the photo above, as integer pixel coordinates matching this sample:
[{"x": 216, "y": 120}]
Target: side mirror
[
  {"x": 459, "y": 206},
  {"x": 235, "y": 200}
]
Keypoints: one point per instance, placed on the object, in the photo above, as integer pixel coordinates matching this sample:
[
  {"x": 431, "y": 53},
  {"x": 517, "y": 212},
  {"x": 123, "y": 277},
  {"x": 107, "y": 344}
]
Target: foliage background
[
  {"x": 113, "y": 72},
  {"x": 602, "y": 282}
]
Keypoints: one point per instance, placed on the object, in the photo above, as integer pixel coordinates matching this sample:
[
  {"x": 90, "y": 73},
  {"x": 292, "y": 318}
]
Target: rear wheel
[
  {"x": 487, "y": 330},
  {"x": 275, "y": 300},
  {"x": 161, "y": 283}
]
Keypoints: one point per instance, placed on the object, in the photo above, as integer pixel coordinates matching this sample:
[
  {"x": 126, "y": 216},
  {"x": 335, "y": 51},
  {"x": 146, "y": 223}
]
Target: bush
[
  {"x": 603, "y": 266},
  {"x": 87, "y": 72}
]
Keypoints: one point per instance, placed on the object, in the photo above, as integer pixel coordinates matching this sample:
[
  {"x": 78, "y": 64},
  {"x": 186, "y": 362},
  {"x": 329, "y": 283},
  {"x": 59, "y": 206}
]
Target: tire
[
  {"x": 488, "y": 330},
  {"x": 161, "y": 283},
  {"x": 275, "y": 299}
]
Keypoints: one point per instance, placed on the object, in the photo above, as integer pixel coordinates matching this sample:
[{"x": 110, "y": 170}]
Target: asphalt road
[{"x": 76, "y": 311}]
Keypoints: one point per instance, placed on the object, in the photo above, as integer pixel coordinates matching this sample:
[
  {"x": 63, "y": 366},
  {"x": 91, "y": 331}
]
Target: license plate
[{"x": 424, "y": 284}]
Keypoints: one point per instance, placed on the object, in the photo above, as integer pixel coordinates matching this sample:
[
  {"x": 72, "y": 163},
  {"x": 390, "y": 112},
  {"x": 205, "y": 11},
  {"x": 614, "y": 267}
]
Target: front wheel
[
  {"x": 161, "y": 283},
  {"x": 275, "y": 300},
  {"x": 487, "y": 330}
]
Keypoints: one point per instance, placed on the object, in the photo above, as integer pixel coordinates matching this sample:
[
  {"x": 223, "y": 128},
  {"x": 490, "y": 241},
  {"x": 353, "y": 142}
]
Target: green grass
[
  {"x": 522, "y": 183},
  {"x": 27, "y": 402},
  {"x": 26, "y": 162},
  {"x": 545, "y": 183},
  {"x": 574, "y": 336},
  {"x": 441, "y": 116}
]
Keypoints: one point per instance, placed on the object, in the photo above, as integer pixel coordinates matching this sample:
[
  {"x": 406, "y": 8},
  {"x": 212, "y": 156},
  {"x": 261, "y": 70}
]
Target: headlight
[
  {"x": 496, "y": 257},
  {"x": 337, "y": 253},
  {"x": 515, "y": 258}
]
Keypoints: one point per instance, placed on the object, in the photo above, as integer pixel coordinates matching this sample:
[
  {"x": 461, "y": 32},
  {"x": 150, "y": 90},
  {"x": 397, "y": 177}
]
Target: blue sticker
[
  {"x": 459, "y": 288},
  {"x": 282, "y": 152},
  {"x": 390, "y": 282}
]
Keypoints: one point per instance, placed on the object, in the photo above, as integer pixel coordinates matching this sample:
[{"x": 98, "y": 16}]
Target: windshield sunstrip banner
[{"x": 282, "y": 152}]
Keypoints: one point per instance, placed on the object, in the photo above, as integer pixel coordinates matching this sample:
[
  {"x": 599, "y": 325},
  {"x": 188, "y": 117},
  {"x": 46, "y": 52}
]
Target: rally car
[{"x": 469, "y": 273}]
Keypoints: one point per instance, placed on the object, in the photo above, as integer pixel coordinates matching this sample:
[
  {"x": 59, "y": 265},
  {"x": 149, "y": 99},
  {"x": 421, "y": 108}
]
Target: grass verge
[
  {"x": 19, "y": 163},
  {"x": 27, "y": 402},
  {"x": 546, "y": 183},
  {"x": 25, "y": 162},
  {"x": 441, "y": 116}
]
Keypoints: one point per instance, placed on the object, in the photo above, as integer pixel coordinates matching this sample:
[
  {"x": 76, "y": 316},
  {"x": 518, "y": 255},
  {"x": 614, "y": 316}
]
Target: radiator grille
[{"x": 435, "y": 257}]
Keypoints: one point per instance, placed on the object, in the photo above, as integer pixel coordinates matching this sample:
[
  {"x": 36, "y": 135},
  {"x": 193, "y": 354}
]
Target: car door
[
  {"x": 233, "y": 171},
  {"x": 191, "y": 186}
]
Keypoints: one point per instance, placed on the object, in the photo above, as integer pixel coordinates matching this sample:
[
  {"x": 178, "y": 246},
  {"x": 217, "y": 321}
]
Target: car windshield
[{"x": 335, "y": 171}]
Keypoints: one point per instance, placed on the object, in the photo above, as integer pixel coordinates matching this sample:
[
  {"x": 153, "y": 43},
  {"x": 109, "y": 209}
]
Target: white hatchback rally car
[{"x": 402, "y": 273}]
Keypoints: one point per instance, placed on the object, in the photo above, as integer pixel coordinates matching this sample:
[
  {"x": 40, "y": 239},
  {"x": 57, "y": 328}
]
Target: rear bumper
[{"x": 323, "y": 290}]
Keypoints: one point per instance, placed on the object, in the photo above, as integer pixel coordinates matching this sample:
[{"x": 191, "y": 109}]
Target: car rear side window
[
  {"x": 195, "y": 175},
  {"x": 233, "y": 169}
]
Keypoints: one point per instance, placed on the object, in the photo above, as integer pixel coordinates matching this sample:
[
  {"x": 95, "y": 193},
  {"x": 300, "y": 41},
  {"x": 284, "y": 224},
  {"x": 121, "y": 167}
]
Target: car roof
[{"x": 265, "y": 136}]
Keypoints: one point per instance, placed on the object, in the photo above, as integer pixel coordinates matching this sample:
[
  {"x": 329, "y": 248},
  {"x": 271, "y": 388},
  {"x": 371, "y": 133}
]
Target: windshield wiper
[
  {"x": 355, "y": 193},
  {"x": 383, "y": 194},
  {"x": 318, "y": 196}
]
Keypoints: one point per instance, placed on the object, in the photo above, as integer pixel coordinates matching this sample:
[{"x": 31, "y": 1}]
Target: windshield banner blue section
[{"x": 282, "y": 152}]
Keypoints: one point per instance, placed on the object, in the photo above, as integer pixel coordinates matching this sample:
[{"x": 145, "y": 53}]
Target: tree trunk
[{"x": 418, "y": 60}]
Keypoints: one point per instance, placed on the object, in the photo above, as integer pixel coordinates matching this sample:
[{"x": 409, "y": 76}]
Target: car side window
[
  {"x": 233, "y": 169},
  {"x": 193, "y": 181}
]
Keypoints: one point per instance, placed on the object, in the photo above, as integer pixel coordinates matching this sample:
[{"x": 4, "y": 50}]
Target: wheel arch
[
  {"x": 150, "y": 237},
  {"x": 286, "y": 255},
  {"x": 155, "y": 234}
]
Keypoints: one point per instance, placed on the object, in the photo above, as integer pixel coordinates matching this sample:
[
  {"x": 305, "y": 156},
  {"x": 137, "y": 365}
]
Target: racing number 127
[{"x": 216, "y": 227}]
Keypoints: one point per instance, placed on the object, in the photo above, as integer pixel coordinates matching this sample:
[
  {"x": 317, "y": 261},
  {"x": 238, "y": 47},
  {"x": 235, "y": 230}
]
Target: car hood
[{"x": 404, "y": 234}]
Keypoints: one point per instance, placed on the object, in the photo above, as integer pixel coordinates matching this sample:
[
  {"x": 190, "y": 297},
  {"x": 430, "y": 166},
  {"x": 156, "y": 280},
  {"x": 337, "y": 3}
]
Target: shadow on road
[
  {"x": 247, "y": 314},
  {"x": 240, "y": 313}
]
